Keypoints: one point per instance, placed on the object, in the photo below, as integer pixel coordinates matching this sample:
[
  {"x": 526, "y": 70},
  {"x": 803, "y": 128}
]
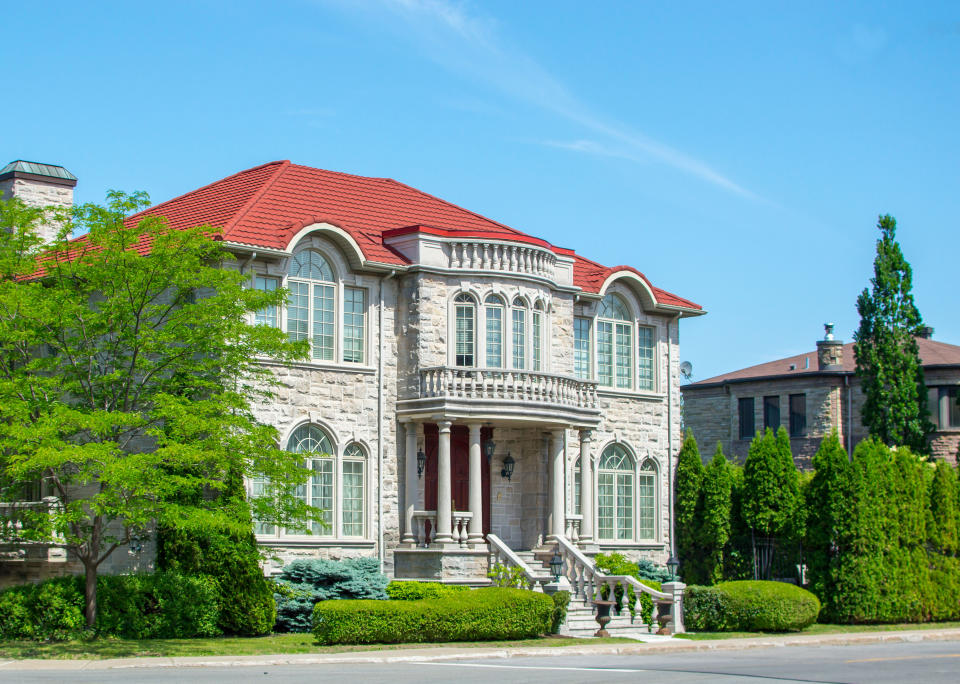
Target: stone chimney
[
  {"x": 829, "y": 350},
  {"x": 38, "y": 185},
  {"x": 926, "y": 332}
]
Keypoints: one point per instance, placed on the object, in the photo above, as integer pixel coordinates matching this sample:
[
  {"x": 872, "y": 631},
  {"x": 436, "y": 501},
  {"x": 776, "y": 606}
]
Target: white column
[
  {"x": 444, "y": 522},
  {"x": 410, "y": 485},
  {"x": 586, "y": 486},
  {"x": 558, "y": 520},
  {"x": 476, "y": 487}
]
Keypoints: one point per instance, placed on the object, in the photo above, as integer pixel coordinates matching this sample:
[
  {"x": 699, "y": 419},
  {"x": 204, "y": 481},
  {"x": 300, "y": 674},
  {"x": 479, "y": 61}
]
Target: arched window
[
  {"x": 537, "y": 335},
  {"x": 615, "y": 494},
  {"x": 647, "y": 501},
  {"x": 493, "y": 308},
  {"x": 352, "y": 505},
  {"x": 465, "y": 313},
  {"x": 519, "y": 337},
  {"x": 614, "y": 343},
  {"x": 311, "y": 311},
  {"x": 311, "y": 440},
  {"x": 577, "y": 499}
]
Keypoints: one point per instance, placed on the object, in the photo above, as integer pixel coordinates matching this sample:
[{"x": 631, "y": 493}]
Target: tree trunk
[{"x": 90, "y": 595}]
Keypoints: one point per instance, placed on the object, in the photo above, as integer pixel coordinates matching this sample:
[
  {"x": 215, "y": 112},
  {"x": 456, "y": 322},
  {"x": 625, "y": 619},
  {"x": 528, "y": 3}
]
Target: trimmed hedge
[
  {"x": 478, "y": 615},
  {"x": 401, "y": 590},
  {"x": 749, "y": 606},
  {"x": 50, "y": 611}
]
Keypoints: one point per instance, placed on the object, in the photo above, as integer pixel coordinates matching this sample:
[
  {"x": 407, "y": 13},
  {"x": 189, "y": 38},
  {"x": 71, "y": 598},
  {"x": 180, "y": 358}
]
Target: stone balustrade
[
  {"x": 27, "y": 519},
  {"x": 513, "y": 258},
  {"x": 425, "y": 527},
  {"x": 574, "y": 523},
  {"x": 501, "y": 384}
]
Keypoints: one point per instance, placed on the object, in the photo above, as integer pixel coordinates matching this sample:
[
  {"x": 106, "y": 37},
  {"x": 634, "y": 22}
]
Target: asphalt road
[{"x": 929, "y": 661}]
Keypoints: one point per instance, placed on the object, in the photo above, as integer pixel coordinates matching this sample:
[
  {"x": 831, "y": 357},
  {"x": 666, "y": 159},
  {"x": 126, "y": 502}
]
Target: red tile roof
[
  {"x": 932, "y": 353},
  {"x": 266, "y": 206}
]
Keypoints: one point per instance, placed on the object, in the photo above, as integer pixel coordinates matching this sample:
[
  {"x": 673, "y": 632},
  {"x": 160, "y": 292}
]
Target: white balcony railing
[
  {"x": 425, "y": 526},
  {"x": 28, "y": 520},
  {"x": 483, "y": 255},
  {"x": 507, "y": 385}
]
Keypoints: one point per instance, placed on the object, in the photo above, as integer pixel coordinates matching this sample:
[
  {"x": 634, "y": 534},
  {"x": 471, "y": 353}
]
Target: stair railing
[{"x": 504, "y": 555}]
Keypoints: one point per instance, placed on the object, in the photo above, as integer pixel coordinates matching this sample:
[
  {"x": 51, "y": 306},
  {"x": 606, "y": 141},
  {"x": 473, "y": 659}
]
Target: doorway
[{"x": 459, "y": 469}]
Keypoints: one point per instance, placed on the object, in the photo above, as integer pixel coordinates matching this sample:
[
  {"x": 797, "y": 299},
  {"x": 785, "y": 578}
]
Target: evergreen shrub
[
  {"x": 561, "y": 599},
  {"x": 749, "y": 606},
  {"x": 160, "y": 605},
  {"x": 304, "y": 583},
  {"x": 400, "y": 590},
  {"x": 480, "y": 615}
]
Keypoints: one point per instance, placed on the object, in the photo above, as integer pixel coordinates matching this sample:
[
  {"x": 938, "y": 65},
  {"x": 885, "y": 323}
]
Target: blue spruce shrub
[{"x": 304, "y": 583}]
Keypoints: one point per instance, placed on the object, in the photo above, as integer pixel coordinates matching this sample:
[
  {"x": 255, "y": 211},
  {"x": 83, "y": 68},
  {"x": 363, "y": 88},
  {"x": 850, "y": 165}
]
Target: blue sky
[{"x": 737, "y": 153}]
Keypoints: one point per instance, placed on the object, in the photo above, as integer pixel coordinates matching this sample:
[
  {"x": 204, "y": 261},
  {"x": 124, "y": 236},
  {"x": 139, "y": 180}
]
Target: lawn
[
  {"x": 275, "y": 644},
  {"x": 821, "y": 629}
]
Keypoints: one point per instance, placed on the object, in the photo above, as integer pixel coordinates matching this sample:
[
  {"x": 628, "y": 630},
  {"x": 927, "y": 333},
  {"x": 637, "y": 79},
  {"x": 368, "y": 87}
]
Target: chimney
[
  {"x": 926, "y": 332},
  {"x": 38, "y": 185},
  {"x": 829, "y": 351}
]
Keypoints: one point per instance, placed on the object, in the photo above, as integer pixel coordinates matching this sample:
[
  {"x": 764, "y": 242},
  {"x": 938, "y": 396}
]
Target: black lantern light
[
  {"x": 556, "y": 566},
  {"x": 672, "y": 564},
  {"x": 421, "y": 462},
  {"x": 507, "y": 471},
  {"x": 488, "y": 448}
]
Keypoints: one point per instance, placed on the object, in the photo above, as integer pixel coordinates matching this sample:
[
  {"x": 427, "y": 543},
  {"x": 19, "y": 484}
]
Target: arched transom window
[
  {"x": 499, "y": 332},
  {"x": 615, "y": 494},
  {"x": 519, "y": 315},
  {"x": 614, "y": 343},
  {"x": 465, "y": 312},
  {"x": 319, "y": 491},
  {"x": 354, "y": 459},
  {"x": 493, "y": 309}
]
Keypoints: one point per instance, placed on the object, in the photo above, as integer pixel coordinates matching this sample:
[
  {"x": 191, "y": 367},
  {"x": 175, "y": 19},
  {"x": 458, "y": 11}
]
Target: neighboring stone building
[
  {"x": 811, "y": 395},
  {"x": 461, "y": 373}
]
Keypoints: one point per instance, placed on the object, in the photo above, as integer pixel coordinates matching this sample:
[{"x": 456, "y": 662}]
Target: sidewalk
[{"x": 453, "y": 653}]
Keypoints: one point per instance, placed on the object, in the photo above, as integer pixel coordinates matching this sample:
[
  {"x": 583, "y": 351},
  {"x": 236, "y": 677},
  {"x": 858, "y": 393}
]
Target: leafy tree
[
  {"x": 688, "y": 509},
  {"x": 127, "y": 372},
  {"x": 717, "y": 502},
  {"x": 888, "y": 360}
]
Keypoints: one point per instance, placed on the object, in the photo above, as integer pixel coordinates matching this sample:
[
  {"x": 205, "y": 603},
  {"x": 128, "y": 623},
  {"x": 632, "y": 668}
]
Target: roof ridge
[
  {"x": 248, "y": 205},
  {"x": 204, "y": 187}
]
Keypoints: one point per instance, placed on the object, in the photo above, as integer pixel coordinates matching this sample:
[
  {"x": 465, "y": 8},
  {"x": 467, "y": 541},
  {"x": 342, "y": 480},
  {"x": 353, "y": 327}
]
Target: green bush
[
  {"x": 161, "y": 605},
  {"x": 399, "y": 590},
  {"x": 50, "y": 611},
  {"x": 617, "y": 564},
  {"x": 561, "y": 599},
  {"x": 304, "y": 583},
  {"x": 479, "y": 615},
  {"x": 749, "y": 606}
]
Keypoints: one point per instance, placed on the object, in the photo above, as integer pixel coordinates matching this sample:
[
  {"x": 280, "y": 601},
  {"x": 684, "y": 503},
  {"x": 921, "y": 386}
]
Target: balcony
[{"x": 497, "y": 394}]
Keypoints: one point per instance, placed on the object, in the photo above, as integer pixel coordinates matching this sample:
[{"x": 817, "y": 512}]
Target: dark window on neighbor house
[
  {"x": 798, "y": 414},
  {"x": 771, "y": 412},
  {"x": 953, "y": 408},
  {"x": 944, "y": 410},
  {"x": 747, "y": 427}
]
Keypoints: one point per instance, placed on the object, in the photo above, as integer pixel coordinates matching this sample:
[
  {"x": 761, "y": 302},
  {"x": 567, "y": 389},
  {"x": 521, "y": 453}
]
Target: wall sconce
[
  {"x": 488, "y": 449},
  {"x": 508, "y": 463},
  {"x": 421, "y": 462}
]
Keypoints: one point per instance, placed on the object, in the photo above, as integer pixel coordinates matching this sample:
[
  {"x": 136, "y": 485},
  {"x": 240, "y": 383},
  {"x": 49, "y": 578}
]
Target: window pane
[
  {"x": 321, "y": 494},
  {"x": 624, "y": 355},
  {"x": 605, "y": 353},
  {"x": 259, "y": 489},
  {"x": 464, "y": 341},
  {"x": 312, "y": 265},
  {"x": 581, "y": 347},
  {"x": 576, "y": 489},
  {"x": 953, "y": 410},
  {"x": 536, "y": 340},
  {"x": 519, "y": 338},
  {"x": 771, "y": 413},
  {"x": 613, "y": 307},
  {"x": 646, "y": 492},
  {"x": 354, "y": 324},
  {"x": 268, "y": 315},
  {"x": 747, "y": 424},
  {"x": 624, "y": 495},
  {"x": 645, "y": 347},
  {"x": 605, "y": 495},
  {"x": 298, "y": 311},
  {"x": 494, "y": 336},
  {"x": 933, "y": 404},
  {"x": 798, "y": 414},
  {"x": 323, "y": 322},
  {"x": 353, "y": 498}
]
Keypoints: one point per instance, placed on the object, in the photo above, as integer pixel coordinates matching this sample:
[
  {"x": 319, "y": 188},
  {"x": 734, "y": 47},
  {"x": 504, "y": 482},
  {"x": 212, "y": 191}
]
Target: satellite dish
[{"x": 686, "y": 370}]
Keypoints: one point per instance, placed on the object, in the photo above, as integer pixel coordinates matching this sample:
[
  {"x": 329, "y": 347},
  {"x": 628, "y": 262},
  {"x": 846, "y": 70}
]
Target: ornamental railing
[
  {"x": 507, "y": 385},
  {"x": 22, "y": 521},
  {"x": 425, "y": 527},
  {"x": 492, "y": 256}
]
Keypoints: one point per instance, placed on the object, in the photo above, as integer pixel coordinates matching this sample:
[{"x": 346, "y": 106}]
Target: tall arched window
[
  {"x": 311, "y": 311},
  {"x": 614, "y": 343},
  {"x": 537, "y": 336},
  {"x": 319, "y": 492},
  {"x": 647, "y": 500},
  {"x": 519, "y": 337},
  {"x": 577, "y": 497},
  {"x": 465, "y": 313},
  {"x": 493, "y": 308},
  {"x": 615, "y": 494},
  {"x": 352, "y": 505}
]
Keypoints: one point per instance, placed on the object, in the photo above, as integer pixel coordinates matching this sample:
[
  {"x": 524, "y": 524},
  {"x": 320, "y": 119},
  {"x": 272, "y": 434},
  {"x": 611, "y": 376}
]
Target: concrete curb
[{"x": 420, "y": 655}]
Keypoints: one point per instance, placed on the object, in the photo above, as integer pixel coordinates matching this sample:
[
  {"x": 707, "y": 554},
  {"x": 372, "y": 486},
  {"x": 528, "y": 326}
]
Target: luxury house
[
  {"x": 473, "y": 393},
  {"x": 811, "y": 395}
]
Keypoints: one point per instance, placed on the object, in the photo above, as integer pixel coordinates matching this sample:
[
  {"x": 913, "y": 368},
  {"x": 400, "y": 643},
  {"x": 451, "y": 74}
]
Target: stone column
[
  {"x": 443, "y": 534},
  {"x": 475, "y": 536},
  {"x": 558, "y": 520},
  {"x": 586, "y": 486},
  {"x": 410, "y": 484}
]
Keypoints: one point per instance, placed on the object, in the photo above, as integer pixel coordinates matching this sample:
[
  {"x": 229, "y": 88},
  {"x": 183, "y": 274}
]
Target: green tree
[
  {"x": 828, "y": 497},
  {"x": 688, "y": 509},
  {"x": 888, "y": 360},
  {"x": 942, "y": 526},
  {"x": 127, "y": 372},
  {"x": 717, "y": 502}
]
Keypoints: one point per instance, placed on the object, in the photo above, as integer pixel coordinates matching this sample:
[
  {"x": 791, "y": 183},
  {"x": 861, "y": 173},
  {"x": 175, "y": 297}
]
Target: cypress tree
[
  {"x": 715, "y": 532},
  {"x": 942, "y": 532},
  {"x": 888, "y": 360},
  {"x": 688, "y": 510}
]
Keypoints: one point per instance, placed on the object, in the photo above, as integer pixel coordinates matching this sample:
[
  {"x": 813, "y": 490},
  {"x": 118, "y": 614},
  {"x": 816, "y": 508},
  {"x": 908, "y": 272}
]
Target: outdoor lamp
[
  {"x": 421, "y": 462},
  {"x": 507, "y": 471},
  {"x": 556, "y": 566},
  {"x": 488, "y": 448},
  {"x": 672, "y": 565}
]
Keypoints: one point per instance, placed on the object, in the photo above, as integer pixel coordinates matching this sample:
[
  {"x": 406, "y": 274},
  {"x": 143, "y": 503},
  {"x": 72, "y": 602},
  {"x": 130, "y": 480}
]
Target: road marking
[
  {"x": 913, "y": 657},
  {"x": 536, "y": 667}
]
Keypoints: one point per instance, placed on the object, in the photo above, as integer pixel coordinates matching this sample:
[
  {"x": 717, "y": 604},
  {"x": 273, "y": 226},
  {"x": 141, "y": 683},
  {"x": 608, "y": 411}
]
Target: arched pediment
[{"x": 341, "y": 238}]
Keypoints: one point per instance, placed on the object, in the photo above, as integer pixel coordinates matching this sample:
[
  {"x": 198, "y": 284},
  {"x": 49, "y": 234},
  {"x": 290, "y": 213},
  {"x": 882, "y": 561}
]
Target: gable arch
[
  {"x": 348, "y": 247},
  {"x": 636, "y": 283}
]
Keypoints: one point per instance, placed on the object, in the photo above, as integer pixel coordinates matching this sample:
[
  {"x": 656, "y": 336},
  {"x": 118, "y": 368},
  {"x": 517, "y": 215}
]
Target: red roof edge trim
[
  {"x": 255, "y": 197},
  {"x": 441, "y": 232},
  {"x": 564, "y": 251}
]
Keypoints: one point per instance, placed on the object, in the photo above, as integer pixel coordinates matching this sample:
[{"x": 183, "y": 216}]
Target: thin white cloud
[{"x": 466, "y": 42}]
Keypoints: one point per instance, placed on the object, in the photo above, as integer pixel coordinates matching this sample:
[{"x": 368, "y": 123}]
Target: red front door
[{"x": 459, "y": 469}]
